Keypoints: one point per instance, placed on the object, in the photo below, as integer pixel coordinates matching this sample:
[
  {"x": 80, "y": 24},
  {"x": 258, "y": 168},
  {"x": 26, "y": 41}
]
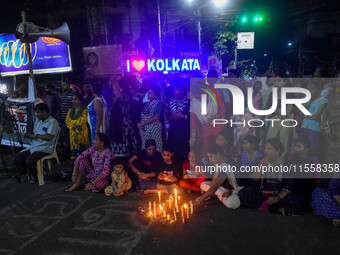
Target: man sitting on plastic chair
[{"x": 42, "y": 143}]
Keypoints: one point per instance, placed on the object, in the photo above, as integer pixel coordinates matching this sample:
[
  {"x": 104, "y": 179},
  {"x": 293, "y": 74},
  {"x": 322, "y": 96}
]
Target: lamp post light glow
[{"x": 220, "y": 3}]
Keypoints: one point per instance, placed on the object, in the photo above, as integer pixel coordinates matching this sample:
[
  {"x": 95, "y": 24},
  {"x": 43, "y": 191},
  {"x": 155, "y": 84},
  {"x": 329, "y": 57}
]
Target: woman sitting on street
[
  {"x": 271, "y": 191},
  {"x": 95, "y": 162}
]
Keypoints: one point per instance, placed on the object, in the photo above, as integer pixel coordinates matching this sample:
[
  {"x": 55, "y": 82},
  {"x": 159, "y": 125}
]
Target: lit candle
[
  {"x": 183, "y": 214},
  {"x": 150, "y": 207},
  {"x": 175, "y": 216},
  {"x": 154, "y": 209},
  {"x": 186, "y": 211},
  {"x": 176, "y": 202},
  {"x": 164, "y": 210},
  {"x": 168, "y": 218},
  {"x": 170, "y": 202},
  {"x": 192, "y": 207},
  {"x": 159, "y": 197},
  {"x": 150, "y": 213}
]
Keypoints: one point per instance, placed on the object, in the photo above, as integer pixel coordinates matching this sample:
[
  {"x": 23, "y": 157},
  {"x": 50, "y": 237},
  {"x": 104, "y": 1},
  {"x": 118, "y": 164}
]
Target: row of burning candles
[{"x": 171, "y": 207}]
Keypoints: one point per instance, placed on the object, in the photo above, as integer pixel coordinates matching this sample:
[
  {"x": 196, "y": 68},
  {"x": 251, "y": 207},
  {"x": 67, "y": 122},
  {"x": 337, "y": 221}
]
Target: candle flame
[
  {"x": 171, "y": 198},
  {"x": 168, "y": 217},
  {"x": 185, "y": 206},
  {"x": 160, "y": 207},
  {"x": 150, "y": 213}
]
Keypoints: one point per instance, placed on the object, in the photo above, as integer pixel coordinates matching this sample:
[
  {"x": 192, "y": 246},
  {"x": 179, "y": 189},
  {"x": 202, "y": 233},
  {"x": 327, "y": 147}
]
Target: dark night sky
[{"x": 271, "y": 36}]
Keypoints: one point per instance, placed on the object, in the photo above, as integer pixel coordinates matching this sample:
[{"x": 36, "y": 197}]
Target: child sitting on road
[{"x": 121, "y": 182}]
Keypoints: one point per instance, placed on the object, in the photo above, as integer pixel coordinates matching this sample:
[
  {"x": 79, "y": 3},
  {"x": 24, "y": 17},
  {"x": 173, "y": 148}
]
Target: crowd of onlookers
[{"x": 150, "y": 135}]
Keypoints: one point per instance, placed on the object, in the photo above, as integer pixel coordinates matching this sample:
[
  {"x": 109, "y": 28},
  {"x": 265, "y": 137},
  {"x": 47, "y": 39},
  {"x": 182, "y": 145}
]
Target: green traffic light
[
  {"x": 244, "y": 20},
  {"x": 257, "y": 18}
]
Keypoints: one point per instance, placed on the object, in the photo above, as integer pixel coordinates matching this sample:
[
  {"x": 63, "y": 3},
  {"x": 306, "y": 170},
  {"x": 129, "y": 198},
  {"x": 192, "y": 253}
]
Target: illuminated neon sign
[{"x": 163, "y": 65}]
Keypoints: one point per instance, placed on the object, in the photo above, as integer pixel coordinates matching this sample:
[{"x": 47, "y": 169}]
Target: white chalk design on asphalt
[
  {"x": 25, "y": 223},
  {"x": 101, "y": 220}
]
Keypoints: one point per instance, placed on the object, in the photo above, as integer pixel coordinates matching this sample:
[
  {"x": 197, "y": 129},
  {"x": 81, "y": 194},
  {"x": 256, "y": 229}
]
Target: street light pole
[
  {"x": 300, "y": 63},
  {"x": 28, "y": 50},
  {"x": 199, "y": 31},
  {"x": 105, "y": 25},
  {"x": 159, "y": 29}
]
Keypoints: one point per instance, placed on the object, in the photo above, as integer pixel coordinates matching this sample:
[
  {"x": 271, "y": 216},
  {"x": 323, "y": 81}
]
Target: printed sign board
[
  {"x": 245, "y": 40},
  {"x": 49, "y": 55}
]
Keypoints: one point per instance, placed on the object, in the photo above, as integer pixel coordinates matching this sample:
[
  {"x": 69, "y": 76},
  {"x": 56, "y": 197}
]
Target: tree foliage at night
[{"x": 225, "y": 39}]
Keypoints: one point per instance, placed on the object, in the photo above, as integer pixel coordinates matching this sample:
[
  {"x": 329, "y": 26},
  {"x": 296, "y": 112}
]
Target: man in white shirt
[{"x": 42, "y": 143}]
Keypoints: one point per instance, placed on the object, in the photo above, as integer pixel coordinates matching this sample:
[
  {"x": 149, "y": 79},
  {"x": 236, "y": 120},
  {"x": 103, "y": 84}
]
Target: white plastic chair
[{"x": 40, "y": 162}]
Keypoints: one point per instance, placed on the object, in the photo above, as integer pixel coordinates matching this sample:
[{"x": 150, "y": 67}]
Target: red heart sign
[{"x": 139, "y": 65}]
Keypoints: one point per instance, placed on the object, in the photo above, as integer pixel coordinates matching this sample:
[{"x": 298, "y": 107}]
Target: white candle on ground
[
  {"x": 164, "y": 210},
  {"x": 159, "y": 197},
  {"x": 176, "y": 202},
  {"x": 150, "y": 207},
  {"x": 192, "y": 207},
  {"x": 186, "y": 211},
  {"x": 175, "y": 216},
  {"x": 182, "y": 209},
  {"x": 154, "y": 209},
  {"x": 170, "y": 202}
]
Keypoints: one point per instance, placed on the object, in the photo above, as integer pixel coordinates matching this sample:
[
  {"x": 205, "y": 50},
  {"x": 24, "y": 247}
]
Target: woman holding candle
[
  {"x": 168, "y": 172},
  {"x": 191, "y": 179},
  {"x": 95, "y": 162},
  {"x": 223, "y": 185},
  {"x": 142, "y": 165}
]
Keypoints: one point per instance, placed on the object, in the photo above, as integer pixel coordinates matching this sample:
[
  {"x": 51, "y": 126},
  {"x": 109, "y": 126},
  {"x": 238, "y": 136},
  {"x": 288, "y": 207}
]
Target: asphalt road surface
[{"x": 47, "y": 220}]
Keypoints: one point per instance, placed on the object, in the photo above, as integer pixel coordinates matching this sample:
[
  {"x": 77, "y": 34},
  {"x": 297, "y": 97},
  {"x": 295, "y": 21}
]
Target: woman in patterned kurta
[
  {"x": 326, "y": 202},
  {"x": 151, "y": 126},
  {"x": 124, "y": 140},
  {"x": 178, "y": 116},
  {"x": 95, "y": 162},
  {"x": 76, "y": 121}
]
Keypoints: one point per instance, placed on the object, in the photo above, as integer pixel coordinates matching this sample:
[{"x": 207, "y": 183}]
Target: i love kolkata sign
[{"x": 163, "y": 65}]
